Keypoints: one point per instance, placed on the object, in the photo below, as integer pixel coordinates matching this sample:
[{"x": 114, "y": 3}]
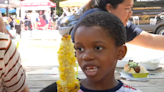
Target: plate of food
[{"x": 135, "y": 70}]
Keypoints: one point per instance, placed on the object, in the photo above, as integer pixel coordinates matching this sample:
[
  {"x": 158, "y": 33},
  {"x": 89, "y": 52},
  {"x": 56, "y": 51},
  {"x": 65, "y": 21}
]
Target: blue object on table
[{"x": 3, "y": 10}]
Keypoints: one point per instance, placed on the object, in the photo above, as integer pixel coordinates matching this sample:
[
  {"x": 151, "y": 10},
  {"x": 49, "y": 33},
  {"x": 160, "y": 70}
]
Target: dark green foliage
[{"x": 58, "y": 9}]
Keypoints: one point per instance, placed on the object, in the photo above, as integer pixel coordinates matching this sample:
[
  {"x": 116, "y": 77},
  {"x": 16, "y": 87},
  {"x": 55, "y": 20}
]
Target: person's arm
[
  {"x": 7, "y": 32},
  {"x": 14, "y": 78},
  {"x": 25, "y": 89},
  {"x": 148, "y": 40}
]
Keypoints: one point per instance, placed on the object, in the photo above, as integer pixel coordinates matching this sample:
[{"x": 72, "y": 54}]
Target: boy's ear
[
  {"x": 122, "y": 52},
  {"x": 109, "y": 7}
]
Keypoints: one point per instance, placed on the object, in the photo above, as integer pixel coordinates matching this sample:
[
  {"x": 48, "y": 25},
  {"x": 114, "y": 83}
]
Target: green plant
[{"x": 59, "y": 10}]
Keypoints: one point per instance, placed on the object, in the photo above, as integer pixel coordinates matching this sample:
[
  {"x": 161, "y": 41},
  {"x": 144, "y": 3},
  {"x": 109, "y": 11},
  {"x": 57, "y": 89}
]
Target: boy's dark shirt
[
  {"x": 131, "y": 29},
  {"x": 109, "y": 90},
  {"x": 53, "y": 88}
]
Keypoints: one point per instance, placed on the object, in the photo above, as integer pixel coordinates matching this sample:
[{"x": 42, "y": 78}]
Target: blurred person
[
  {"x": 11, "y": 22},
  {"x": 27, "y": 22},
  {"x": 66, "y": 10},
  {"x": 34, "y": 17},
  {"x": 73, "y": 11},
  {"x": 37, "y": 19},
  {"x": 65, "y": 13},
  {"x": 18, "y": 25},
  {"x": 47, "y": 18},
  {"x": 42, "y": 20},
  {"x": 123, "y": 10},
  {"x": 76, "y": 8},
  {"x": 54, "y": 18},
  {"x": 13, "y": 76}
]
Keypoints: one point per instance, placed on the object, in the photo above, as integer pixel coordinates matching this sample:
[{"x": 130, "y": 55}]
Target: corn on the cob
[{"x": 67, "y": 63}]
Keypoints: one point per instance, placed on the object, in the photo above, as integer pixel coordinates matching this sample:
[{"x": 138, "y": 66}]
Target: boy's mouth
[{"x": 91, "y": 70}]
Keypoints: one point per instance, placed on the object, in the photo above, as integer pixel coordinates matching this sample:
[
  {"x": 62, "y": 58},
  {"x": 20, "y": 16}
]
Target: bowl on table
[{"x": 150, "y": 65}]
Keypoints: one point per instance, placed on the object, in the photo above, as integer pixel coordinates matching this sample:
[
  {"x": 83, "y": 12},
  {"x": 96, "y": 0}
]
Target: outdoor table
[
  {"x": 37, "y": 81},
  {"x": 154, "y": 84}
]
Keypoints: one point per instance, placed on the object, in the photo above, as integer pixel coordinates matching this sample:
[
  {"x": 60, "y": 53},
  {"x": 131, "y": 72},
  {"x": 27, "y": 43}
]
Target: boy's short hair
[{"x": 108, "y": 21}]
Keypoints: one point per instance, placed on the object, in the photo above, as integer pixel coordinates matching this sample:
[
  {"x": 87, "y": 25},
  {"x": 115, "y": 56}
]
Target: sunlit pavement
[
  {"x": 40, "y": 34},
  {"x": 38, "y": 50}
]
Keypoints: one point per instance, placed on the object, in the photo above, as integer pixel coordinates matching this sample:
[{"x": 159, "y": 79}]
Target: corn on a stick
[{"x": 67, "y": 63}]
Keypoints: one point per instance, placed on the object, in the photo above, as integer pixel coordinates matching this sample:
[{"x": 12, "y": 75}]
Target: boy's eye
[
  {"x": 128, "y": 9},
  {"x": 98, "y": 48},
  {"x": 80, "y": 49}
]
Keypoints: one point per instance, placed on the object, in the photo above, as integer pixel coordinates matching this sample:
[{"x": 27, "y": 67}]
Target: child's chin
[{"x": 93, "y": 79}]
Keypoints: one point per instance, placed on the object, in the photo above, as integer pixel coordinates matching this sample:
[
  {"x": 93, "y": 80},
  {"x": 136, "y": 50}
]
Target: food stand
[{"x": 36, "y": 5}]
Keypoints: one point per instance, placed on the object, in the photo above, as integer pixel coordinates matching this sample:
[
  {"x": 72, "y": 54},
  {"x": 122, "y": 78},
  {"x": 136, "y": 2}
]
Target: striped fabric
[{"x": 12, "y": 75}]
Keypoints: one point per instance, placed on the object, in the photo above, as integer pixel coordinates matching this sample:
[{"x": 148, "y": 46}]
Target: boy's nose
[
  {"x": 88, "y": 55},
  {"x": 131, "y": 12}
]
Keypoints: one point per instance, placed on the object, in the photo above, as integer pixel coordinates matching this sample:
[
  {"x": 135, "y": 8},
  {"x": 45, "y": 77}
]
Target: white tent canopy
[
  {"x": 73, "y": 3},
  {"x": 36, "y": 5}
]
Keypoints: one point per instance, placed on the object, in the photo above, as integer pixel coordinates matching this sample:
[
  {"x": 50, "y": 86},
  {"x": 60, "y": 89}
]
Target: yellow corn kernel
[{"x": 67, "y": 62}]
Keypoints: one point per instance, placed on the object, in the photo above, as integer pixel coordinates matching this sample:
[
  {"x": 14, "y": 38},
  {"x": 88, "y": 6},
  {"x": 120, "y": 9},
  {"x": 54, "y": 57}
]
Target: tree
[{"x": 58, "y": 9}]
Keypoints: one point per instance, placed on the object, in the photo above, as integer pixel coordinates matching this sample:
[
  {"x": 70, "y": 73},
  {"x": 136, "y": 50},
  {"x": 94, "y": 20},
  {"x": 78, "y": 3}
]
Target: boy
[{"x": 99, "y": 42}]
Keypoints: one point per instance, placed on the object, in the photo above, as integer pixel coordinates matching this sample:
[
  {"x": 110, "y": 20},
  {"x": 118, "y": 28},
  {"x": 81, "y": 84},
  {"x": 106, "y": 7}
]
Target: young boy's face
[{"x": 96, "y": 52}]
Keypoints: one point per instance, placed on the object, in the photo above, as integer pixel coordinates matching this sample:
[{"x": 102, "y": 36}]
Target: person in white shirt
[
  {"x": 47, "y": 17},
  {"x": 34, "y": 17}
]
